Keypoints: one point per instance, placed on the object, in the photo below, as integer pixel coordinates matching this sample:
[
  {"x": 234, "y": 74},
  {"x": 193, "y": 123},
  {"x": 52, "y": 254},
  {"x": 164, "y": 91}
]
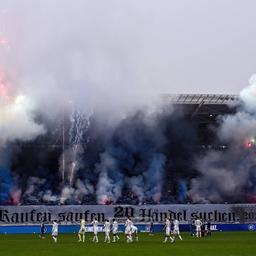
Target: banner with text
[{"x": 216, "y": 213}]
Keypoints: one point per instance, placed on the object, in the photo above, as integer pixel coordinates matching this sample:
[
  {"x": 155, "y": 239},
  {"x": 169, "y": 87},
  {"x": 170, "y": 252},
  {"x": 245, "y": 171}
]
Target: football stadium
[{"x": 127, "y": 128}]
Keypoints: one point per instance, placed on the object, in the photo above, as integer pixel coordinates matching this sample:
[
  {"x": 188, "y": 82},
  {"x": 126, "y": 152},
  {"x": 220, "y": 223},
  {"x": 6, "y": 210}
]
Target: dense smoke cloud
[
  {"x": 225, "y": 176},
  {"x": 86, "y": 54},
  {"x": 17, "y": 120},
  {"x": 59, "y": 57},
  {"x": 114, "y": 59},
  {"x": 248, "y": 95},
  {"x": 133, "y": 158},
  {"x": 117, "y": 55},
  {"x": 130, "y": 164}
]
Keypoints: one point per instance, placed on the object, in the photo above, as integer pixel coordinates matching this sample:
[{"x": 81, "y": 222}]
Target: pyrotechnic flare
[
  {"x": 16, "y": 118},
  {"x": 72, "y": 158}
]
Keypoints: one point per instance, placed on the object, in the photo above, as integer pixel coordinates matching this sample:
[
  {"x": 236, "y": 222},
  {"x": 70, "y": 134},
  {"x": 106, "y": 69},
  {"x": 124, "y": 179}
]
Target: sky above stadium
[{"x": 129, "y": 46}]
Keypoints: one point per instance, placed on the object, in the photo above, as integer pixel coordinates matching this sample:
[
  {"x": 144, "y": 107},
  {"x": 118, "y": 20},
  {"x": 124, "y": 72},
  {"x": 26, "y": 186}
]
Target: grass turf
[{"x": 221, "y": 243}]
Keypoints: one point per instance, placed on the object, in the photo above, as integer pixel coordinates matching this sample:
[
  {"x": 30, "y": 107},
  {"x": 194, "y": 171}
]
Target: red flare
[
  {"x": 15, "y": 197},
  {"x": 249, "y": 143}
]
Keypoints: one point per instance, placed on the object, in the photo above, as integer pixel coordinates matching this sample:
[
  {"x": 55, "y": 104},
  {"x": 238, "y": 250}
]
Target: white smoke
[
  {"x": 76, "y": 193},
  {"x": 67, "y": 193},
  {"x": 116, "y": 55},
  {"x": 226, "y": 175},
  {"x": 113, "y": 56},
  {"x": 136, "y": 185},
  {"x": 220, "y": 178},
  {"x": 48, "y": 197},
  {"x": 110, "y": 183},
  {"x": 33, "y": 191},
  {"x": 17, "y": 120},
  {"x": 81, "y": 54},
  {"x": 236, "y": 128},
  {"x": 248, "y": 95}
]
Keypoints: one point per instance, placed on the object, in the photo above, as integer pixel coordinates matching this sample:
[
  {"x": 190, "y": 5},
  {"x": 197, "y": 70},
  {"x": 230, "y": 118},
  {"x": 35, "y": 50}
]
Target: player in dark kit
[
  {"x": 204, "y": 228},
  {"x": 192, "y": 228},
  {"x": 151, "y": 227},
  {"x": 209, "y": 233},
  {"x": 42, "y": 230}
]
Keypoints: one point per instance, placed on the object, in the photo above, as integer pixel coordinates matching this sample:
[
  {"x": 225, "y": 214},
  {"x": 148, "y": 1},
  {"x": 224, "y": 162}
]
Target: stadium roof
[
  {"x": 215, "y": 99},
  {"x": 212, "y": 99},
  {"x": 204, "y": 108}
]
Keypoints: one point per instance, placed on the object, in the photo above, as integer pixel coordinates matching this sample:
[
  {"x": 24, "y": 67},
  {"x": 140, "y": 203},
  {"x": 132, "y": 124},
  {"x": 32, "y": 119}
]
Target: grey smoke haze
[
  {"x": 242, "y": 125},
  {"x": 121, "y": 53},
  {"x": 248, "y": 95},
  {"x": 236, "y": 128},
  {"x": 229, "y": 175},
  {"x": 17, "y": 121},
  {"x": 114, "y": 56}
]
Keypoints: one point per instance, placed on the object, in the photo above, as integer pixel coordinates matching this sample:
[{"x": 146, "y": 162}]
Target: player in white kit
[
  {"x": 81, "y": 233},
  {"x": 115, "y": 230},
  {"x": 128, "y": 231},
  {"x": 167, "y": 228},
  {"x": 198, "y": 224},
  {"x": 95, "y": 224},
  {"x": 134, "y": 231},
  {"x": 176, "y": 229},
  {"x": 55, "y": 231},
  {"x": 107, "y": 231}
]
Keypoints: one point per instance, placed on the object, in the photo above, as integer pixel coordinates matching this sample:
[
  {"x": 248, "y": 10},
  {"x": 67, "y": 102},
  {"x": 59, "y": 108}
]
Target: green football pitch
[{"x": 221, "y": 243}]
